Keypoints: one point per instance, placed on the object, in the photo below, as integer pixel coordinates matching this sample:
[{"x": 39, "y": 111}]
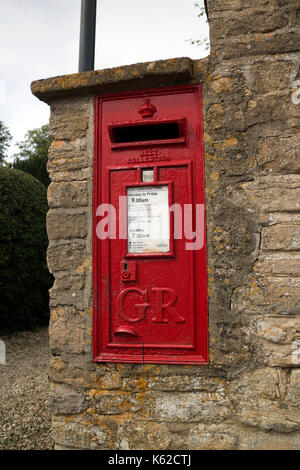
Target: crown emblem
[{"x": 147, "y": 110}]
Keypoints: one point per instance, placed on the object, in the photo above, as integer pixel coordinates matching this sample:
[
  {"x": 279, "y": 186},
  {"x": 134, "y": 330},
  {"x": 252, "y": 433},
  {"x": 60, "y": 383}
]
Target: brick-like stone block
[
  {"x": 250, "y": 20},
  {"x": 68, "y": 289},
  {"x": 279, "y": 264},
  {"x": 191, "y": 407},
  {"x": 281, "y": 237},
  {"x": 66, "y": 401},
  {"x": 65, "y": 256},
  {"x": 64, "y": 225},
  {"x": 66, "y": 155},
  {"x": 280, "y": 420},
  {"x": 212, "y": 437},
  {"x": 69, "y": 120},
  {"x": 115, "y": 402},
  {"x": 141, "y": 435},
  {"x": 293, "y": 388},
  {"x": 67, "y": 330},
  {"x": 68, "y": 194},
  {"x": 269, "y": 194},
  {"x": 279, "y": 155},
  {"x": 79, "y": 435}
]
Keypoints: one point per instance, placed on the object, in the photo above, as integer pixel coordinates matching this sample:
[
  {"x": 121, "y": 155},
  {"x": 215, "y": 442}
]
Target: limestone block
[
  {"x": 212, "y": 437},
  {"x": 191, "y": 407},
  {"x": 256, "y": 386},
  {"x": 270, "y": 75},
  {"x": 254, "y": 439},
  {"x": 281, "y": 237},
  {"x": 64, "y": 400},
  {"x": 68, "y": 194},
  {"x": 278, "y": 330},
  {"x": 67, "y": 155},
  {"x": 279, "y": 420},
  {"x": 64, "y": 225},
  {"x": 186, "y": 384},
  {"x": 114, "y": 402},
  {"x": 65, "y": 256},
  {"x": 141, "y": 435},
  {"x": 83, "y": 435},
  {"x": 279, "y": 155},
  {"x": 293, "y": 388},
  {"x": 247, "y": 21},
  {"x": 77, "y": 376},
  {"x": 67, "y": 330},
  {"x": 283, "y": 295},
  {"x": 70, "y": 175},
  {"x": 278, "y": 193},
  {"x": 225, "y": 5},
  {"x": 281, "y": 340},
  {"x": 255, "y": 44},
  {"x": 69, "y": 119},
  {"x": 279, "y": 264},
  {"x": 67, "y": 290}
]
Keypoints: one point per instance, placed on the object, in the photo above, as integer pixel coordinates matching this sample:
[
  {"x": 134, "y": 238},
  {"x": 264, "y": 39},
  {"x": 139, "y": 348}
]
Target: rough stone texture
[{"x": 248, "y": 396}]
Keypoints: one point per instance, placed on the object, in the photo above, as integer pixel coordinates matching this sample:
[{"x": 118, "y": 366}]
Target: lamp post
[{"x": 87, "y": 35}]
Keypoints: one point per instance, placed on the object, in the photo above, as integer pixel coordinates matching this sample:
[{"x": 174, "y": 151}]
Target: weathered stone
[
  {"x": 268, "y": 76},
  {"x": 61, "y": 225},
  {"x": 67, "y": 175},
  {"x": 81, "y": 436},
  {"x": 191, "y": 407},
  {"x": 186, "y": 384},
  {"x": 252, "y": 20},
  {"x": 279, "y": 264},
  {"x": 281, "y": 237},
  {"x": 67, "y": 290},
  {"x": 68, "y": 122},
  {"x": 293, "y": 388},
  {"x": 68, "y": 155},
  {"x": 256, "y": 387},
  {"x": 66, "y": 401},
  {"x": 65, "y": 256},
  {"x": 277, "y": 420},
  {"x": 163, "y": 72},
  {"x": 68, "y": 194},
  {"x": 271, "y": 332},
  {"x": 257, "y": 44},
  {"x": 278, "y": 330},
  {"x": 67, "y": 330},
  {"x": 225, "y": 5},
  {"x": 280, "y": 155},
  {"x": 269, "y": 194},
  {"x": 114, "y": 403},
  {"x": 212, "y": 437},
  {"x": 253, "y": 439},
  {"x": 141, "y": 435},
  {"x": 64, "y": 372}
]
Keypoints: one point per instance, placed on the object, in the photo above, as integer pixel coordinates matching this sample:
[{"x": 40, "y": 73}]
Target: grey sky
[{"x": 40, "y": 39}]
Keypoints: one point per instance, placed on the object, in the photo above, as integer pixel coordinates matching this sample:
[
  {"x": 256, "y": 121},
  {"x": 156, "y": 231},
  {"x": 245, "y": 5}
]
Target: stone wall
[{"x": 248, "y": 396}]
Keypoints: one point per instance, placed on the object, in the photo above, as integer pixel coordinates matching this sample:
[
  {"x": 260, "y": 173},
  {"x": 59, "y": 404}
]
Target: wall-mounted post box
[{"x": 150, "y": 296}]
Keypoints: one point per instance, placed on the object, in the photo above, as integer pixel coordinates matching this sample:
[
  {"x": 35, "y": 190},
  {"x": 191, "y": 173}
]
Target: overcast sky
[{"x": 40, "y": 39}]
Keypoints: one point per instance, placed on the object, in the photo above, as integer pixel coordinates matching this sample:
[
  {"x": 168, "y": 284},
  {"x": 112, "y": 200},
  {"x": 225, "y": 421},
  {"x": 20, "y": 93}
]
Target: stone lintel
[{"x": 128, "y": 77}]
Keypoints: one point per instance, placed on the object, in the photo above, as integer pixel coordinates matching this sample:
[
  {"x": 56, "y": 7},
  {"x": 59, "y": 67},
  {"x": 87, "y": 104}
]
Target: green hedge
[{"x": 24, "y": 276}]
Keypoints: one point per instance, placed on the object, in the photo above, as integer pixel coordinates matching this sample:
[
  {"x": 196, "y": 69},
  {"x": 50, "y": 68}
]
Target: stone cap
[{"x": 128, "y": 77}]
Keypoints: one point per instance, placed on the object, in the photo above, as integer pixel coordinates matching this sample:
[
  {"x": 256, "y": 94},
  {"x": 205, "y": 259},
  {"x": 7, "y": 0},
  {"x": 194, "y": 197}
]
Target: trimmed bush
[{"x": 24, "y": 276}]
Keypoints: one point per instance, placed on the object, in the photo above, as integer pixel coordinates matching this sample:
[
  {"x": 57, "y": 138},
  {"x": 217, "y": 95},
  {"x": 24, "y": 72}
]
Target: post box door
[{"x": 151, "y": 292}]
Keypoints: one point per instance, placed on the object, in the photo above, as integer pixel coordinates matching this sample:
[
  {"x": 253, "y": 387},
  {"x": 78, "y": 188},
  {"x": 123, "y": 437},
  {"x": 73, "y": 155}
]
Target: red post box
[{"x": 149, "y": 252}]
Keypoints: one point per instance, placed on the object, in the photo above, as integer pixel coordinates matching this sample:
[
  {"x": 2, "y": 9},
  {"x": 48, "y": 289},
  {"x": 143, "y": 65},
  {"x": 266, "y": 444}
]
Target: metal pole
[{"x": 87, "y": 35}]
